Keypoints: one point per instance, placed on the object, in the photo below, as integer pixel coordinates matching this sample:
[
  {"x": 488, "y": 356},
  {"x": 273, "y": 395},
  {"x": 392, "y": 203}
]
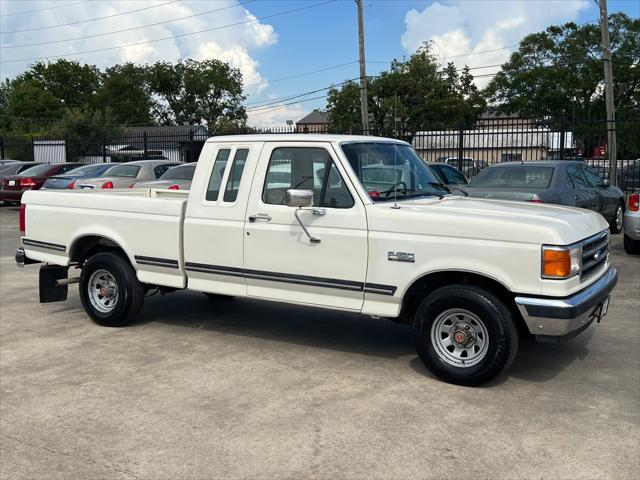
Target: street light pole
[
  {"x": 608, "y": 92},
  {"x": 364, "y": 110}
]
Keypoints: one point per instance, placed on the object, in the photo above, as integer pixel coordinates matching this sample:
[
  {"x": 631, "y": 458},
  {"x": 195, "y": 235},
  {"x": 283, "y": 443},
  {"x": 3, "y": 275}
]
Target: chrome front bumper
[{"x": 554, "y": 318}]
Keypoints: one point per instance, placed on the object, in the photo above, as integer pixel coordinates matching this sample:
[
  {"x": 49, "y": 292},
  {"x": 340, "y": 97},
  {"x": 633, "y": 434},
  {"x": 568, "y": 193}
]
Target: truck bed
[{"x": 149, "y": 225}]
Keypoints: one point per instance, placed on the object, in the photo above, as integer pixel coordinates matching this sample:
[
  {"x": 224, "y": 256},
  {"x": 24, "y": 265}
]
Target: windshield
[
  {"x": 183, "y": 172},
  {"x": 514, "y": 176},
  {"x": 391, "y": 170},
  {"x": 124, "y": 171}
]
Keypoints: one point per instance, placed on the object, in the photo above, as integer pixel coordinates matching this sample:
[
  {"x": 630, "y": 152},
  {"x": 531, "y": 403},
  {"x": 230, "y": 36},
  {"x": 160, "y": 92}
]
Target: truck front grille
[{"x": 595, "y": 251}]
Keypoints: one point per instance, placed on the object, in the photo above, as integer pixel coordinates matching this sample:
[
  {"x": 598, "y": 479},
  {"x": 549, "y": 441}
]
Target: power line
[
  {"x": 43, "y": 9},
  {"x": 171, "y": 37},
  {"x": 89, "y": 20},
  {"x": 130, "y": 29}
]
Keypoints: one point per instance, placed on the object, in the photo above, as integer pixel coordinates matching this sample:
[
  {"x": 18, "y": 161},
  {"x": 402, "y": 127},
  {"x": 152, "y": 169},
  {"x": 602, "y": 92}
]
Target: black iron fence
[{"x": 470, "y": 147}]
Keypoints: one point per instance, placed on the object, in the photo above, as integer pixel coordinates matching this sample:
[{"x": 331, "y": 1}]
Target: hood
[{"x": 499, "y": 220}]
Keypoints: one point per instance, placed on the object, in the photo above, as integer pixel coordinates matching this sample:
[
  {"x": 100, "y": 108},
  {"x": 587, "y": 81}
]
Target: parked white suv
[{"x": 347, "y": 223}]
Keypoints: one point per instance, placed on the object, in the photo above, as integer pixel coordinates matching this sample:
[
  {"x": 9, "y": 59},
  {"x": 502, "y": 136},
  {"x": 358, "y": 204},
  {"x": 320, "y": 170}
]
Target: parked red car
[{"x": 33, "y": 178}]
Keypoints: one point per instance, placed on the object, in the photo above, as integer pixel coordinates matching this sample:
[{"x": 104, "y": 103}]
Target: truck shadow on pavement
[{"x": 345, "y": 332}]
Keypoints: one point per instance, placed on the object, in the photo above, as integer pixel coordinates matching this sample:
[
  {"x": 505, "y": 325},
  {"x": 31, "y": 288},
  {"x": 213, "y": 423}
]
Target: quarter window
[
  {"x": 309, "y": 169},
  {"x": 215, "y": 180},
  {"x": 235, "y": 175}
]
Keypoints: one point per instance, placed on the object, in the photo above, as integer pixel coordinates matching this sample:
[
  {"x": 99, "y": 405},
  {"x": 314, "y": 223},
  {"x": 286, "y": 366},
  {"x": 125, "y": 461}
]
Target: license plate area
[
  {"x": 601, "y": 309},
  {"x": 12, "y": 183}
]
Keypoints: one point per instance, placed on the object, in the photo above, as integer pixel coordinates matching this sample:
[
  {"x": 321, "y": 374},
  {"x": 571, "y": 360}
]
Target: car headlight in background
[{"x": 561, "y": 262}]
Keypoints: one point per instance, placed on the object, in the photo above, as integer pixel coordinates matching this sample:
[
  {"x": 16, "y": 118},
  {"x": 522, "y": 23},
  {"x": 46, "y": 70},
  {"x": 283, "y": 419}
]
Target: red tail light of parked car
[
  {"x": 634, "y": 202},
  {"x": 173, "y": 187},
  {"x": 23, "y": 218},
  {"x": 107, "y": 185},
  {"x": 72, "y": 185},
  {"x": 27, "y": 182}
]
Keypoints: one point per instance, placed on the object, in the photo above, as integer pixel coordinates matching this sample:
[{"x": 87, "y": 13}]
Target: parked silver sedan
[
  {"x": 176, "y": 178},
  {"x": 632, "y": 224},
  {"x": 126, "y": 175}
]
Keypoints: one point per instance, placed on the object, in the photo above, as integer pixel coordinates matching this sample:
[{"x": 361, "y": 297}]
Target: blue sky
[{"x": 270, "y": 41}]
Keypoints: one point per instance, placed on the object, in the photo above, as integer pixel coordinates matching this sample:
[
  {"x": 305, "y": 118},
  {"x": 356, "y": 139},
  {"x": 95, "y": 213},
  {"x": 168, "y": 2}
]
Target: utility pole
[
  {"x": 364, "y": 109},
  {"x": 608, "y": 92}
]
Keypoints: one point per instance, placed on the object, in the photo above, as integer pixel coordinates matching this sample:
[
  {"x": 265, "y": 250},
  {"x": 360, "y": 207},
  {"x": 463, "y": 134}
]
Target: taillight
[
  {"x": 72, "y": 185},
  {"x": 107, "y": 185},
  {"x": 27, "y": 182},
  {"x": 22, "y": 218},
  {"x": 634, "y": 202},
  {"x": 535, "y": 200},
  {"x": 374, "y": 194},
  {"x": 173, "y": 187}
]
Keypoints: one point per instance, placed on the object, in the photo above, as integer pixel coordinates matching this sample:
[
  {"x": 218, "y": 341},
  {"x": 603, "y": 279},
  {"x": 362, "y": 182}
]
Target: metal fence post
[
  {"x": 2, "y": 148},
  {"x": 104, "y": 148},
  {"x": 144, "y": 142},
  {"x": 562, "y": 135},
  {"x": 461, "y": 143},
  {"x": 33, "y": 153}
]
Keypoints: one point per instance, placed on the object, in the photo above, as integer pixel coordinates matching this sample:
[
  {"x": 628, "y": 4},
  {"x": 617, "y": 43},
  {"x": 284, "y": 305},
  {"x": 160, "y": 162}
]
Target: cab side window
[
  {"x": 307, "y": 168},
  {"x": 215, "y": 181},
  {"x": 235, "y": 175}
]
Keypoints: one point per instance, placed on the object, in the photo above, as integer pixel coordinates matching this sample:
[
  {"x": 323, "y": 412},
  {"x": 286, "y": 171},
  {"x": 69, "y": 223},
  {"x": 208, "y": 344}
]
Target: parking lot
[{"x": 241, "y": 389}]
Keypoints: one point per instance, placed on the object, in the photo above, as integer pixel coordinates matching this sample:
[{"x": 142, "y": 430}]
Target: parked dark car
[
  {"x": 552, "y": 181},
  {"x": 449, "y": 176},
  {"x": 13, "y": 186},
  {"x": 69, "y": 179},
  {"x": 13, "y": 169},
  {"x": 467, "y": 165}
]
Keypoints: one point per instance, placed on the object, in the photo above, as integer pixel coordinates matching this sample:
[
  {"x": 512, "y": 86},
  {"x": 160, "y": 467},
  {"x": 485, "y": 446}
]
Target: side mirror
[
  {"x": 299, "y": 198},
  {"x": 606, "y": 183}
]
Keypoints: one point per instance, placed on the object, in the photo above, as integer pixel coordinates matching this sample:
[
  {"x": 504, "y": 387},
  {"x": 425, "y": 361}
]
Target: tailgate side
[{"x": 147, "y": 228}]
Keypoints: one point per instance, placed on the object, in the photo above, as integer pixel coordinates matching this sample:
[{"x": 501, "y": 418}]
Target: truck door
[
  {"x": 281, "y": 263},
  {"x": 214, "y": 221}
]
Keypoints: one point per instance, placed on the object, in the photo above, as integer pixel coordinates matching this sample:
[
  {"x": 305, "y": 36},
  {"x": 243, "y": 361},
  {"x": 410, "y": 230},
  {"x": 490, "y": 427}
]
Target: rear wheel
[
  {"x": 465, "y": 335},
  {"x": 631, "y": 246},
  {"x": 616, "y": 223},
  {"x": 110, "y": 292}
]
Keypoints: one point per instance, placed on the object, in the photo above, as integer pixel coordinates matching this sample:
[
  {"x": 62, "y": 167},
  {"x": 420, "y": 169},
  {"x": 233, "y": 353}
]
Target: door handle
[{"x": 260, "y": 216}]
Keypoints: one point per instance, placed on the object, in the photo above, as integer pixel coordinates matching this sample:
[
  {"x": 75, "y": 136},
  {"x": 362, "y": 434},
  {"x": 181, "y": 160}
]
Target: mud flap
[{"x": 49, "y": 291}]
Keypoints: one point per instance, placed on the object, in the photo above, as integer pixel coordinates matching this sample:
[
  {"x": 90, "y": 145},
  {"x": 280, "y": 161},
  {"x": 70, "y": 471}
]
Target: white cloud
[
  {"x": 235, "y": 44},
  {"x": 276, "y": 117},
  {"x": 458, "y": 28}
]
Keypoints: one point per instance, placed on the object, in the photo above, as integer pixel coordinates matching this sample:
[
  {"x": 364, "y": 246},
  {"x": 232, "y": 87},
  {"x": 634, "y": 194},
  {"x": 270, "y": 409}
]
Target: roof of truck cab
[{"x": 302, "y": 137}]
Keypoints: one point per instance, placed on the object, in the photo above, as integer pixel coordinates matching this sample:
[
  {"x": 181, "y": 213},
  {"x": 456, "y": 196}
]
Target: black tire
[
  {"x": 631, "y": 246},
  {"x": 614, "y": 226},
  {"x": 499, "y": 347},
  {"x": 216, "y": 296},
  {"x": 130, "y": 292}
]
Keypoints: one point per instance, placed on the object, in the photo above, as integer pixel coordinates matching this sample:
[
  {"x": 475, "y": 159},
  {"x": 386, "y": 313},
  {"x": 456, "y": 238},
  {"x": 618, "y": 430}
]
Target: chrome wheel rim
[
  {"x": 103, "y": 291},
  {"x": 459, "y": 338},
  {"x": 619, "y": 218}
]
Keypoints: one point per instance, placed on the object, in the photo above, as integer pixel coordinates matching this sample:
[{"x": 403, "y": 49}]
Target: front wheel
[
  {"x": 465, "y": 335},
  {"x": 616, "y": 224},
  {"x": 110, "y": 291},
  {"x": 631, "y": 246}
]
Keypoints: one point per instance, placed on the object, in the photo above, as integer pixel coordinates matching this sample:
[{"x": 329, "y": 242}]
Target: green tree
[
  {"x": 197, "y": 92},
  {"x": 413, "y": 94},
  {"x": 126, "y": 93},
  {"x": 558, "y": 73}
]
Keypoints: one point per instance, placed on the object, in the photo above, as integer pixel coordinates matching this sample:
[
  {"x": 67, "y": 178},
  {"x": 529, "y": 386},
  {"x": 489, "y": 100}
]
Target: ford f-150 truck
[{"x": 348, "y": 223}]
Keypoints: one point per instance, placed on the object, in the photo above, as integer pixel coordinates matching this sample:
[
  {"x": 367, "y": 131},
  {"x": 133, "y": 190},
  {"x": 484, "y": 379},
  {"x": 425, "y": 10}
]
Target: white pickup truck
[{"x": 348, "y": 223}]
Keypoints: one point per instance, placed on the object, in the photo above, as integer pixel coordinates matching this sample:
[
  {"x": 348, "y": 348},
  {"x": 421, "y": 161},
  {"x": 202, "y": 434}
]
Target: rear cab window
[{"x": 228, "y": 169}]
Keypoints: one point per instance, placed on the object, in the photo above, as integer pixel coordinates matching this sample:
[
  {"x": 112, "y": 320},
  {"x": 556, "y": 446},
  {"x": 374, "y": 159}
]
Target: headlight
[{"x": 561, "y": 262}]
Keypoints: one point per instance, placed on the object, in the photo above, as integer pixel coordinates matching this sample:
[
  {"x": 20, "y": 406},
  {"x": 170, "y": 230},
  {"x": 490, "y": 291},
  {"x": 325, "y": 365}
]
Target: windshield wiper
[{"x": 441, "y": 186}]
